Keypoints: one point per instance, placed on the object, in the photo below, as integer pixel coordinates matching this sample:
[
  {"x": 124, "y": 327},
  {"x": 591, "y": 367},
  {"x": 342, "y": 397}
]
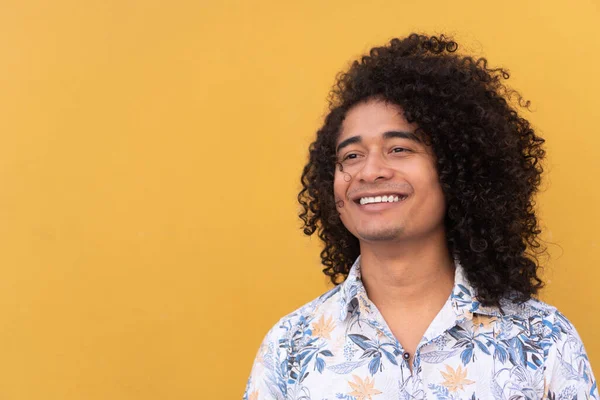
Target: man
[{"x": 420, "y": 184}]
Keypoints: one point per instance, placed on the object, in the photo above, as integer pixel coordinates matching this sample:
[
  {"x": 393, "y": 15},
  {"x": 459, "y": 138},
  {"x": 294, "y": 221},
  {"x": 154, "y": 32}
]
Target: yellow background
[{"x": 150, "y": 159}]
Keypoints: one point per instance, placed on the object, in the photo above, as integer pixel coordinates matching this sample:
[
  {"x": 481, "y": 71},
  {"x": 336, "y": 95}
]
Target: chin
[{"x": 380, "y": 235}]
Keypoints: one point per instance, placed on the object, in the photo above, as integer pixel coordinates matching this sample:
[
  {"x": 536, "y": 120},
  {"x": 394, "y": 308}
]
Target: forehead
[{"x": 372, "y": 118}]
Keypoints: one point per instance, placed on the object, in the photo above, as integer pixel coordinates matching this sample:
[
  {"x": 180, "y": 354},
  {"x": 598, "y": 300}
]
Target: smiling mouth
[{"x": 381, "y": 199}]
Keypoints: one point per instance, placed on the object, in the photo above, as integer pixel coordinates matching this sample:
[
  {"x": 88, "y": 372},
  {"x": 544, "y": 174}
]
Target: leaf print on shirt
[
  {"x": 301, "y": 348},
  {"x": 323, "y": 328},
  {"x": 467, "y": 340},
  {"x": 526, "y": 382},
  {"x": 440, "y": 392},
  {"x": 375, "y": 350},
  {"x": 455, "y": 379},
  {"x": 363, "y": 390}
]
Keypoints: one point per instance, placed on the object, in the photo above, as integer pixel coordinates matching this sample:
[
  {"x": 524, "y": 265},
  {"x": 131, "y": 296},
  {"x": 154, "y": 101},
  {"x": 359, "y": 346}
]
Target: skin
[{"x": 406, "y": 267}]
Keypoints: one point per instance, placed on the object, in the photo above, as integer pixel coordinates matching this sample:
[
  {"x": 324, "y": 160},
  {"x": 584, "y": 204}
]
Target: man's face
[{"x": 386, "y": 177}]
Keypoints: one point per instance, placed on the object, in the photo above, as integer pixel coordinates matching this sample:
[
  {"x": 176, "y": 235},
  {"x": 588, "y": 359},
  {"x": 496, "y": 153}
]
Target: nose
[{"x": 374, "y": 168}]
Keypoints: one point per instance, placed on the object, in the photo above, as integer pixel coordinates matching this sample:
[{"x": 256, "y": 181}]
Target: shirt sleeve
[
  {"x": 267, "y": 378},
  {"x": 569, "y": 373}
]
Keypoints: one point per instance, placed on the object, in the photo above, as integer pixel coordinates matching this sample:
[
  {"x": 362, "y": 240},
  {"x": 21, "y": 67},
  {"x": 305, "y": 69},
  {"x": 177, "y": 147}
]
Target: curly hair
[{"x": 488, "y": 160}]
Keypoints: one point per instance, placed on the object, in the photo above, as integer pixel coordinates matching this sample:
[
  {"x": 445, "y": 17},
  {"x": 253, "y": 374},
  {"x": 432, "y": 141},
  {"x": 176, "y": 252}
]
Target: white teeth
[{"x": 380, "y": 199}]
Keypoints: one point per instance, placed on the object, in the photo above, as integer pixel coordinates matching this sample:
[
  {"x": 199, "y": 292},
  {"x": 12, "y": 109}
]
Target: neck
[{"x": 407, "y": 276}]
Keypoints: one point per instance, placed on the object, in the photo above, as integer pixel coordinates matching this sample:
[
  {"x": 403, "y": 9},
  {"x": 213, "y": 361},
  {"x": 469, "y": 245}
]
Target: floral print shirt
[{"x": 339, "y": 347}]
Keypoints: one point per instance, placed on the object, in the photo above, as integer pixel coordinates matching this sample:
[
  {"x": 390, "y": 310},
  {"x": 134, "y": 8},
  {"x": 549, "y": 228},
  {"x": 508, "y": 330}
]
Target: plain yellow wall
[{"x": 150, "y": 159}]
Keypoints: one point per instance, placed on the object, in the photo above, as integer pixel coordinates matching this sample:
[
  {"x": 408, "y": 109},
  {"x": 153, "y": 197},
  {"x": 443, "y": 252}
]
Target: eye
[
  {"x": 350, "y": 156},
  {"x": 400, "y": 150}
]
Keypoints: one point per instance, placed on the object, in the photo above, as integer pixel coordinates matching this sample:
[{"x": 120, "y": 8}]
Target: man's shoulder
[
  {"x": 327, "y": 306},
  {"x": 535, "y": 311},
  {"x": 529, "y": 309}
]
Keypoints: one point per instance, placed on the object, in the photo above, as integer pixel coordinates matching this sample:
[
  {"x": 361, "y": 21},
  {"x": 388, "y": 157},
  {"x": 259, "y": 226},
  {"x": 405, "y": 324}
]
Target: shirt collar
[
  {"x": 350, "y": 290},
  {"x": 463, "y": 298}
]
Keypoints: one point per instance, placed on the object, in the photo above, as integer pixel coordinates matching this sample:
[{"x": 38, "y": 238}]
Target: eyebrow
[{"x": 386, "y": 135}]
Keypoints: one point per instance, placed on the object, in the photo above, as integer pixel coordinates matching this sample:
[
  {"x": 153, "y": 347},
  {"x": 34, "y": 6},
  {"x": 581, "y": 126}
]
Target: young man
[{"x": 420, "y": 184}]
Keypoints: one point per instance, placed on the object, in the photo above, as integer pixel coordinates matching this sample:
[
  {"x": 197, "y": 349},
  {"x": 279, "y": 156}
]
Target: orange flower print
[
  {"x": 253, "y": 395},
  {"x": 363, "y": 390},
  {"x": 323, "y": 328},
  {"x": 455, "y": 380},
  {"x": 483, "y": 321}
]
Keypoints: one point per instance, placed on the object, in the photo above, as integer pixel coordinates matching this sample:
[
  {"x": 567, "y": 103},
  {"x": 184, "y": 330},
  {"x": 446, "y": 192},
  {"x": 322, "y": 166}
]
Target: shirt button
[{"x": 406, "y": 356}]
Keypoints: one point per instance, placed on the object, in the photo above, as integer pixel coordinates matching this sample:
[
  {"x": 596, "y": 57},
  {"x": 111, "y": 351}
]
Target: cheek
[
  {"x": 340, "y": 188},
  {"x": 428, "y": 182},
  {"x": 437, "y": 194},
  {"x": 440, "y": 201}
]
